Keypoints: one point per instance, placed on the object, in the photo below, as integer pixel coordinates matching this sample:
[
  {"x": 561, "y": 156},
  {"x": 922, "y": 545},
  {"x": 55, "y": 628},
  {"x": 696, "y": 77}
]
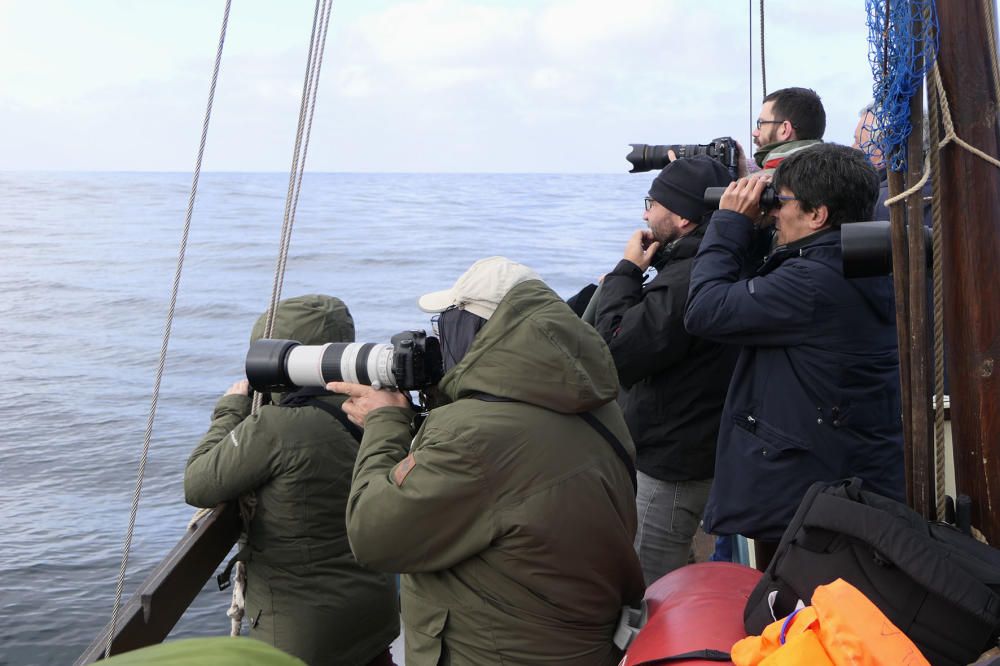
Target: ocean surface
[{"x": 86, "y": 266}]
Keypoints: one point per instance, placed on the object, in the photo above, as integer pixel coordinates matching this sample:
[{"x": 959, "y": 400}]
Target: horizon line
[{"x": 351, "y": 173}]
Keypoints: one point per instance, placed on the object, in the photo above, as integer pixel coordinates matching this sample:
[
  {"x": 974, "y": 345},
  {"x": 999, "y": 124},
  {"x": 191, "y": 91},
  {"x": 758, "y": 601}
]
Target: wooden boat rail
[{"x": 162, "y": 598}]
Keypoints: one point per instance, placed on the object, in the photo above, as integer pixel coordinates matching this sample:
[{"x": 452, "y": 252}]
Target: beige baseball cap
[{"x": 481, "y": 288}]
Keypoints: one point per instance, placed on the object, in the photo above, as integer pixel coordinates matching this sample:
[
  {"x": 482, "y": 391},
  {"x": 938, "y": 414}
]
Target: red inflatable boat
[{"x": 697, "y": 607}]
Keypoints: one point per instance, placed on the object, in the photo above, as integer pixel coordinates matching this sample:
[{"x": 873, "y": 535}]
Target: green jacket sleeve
[
  {"x": 234, "y": 457},
  {"x": 437, "y": 515}
]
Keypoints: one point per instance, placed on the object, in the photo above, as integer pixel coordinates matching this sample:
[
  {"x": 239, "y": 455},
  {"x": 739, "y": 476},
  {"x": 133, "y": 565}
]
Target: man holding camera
[
  {"x": 674, "y": 384},
  {"x": 510, "y": 510},
  {"x": 815, "y": 394},
  {"x": 790, "y": 119}
]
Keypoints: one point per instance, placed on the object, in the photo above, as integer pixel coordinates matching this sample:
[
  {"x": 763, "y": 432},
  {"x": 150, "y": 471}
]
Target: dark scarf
[{"x": 457, "y": 330}]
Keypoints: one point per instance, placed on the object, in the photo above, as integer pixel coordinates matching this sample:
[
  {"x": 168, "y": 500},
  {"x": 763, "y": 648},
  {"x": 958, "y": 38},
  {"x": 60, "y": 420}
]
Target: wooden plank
[{"x": 149, "y": 615}]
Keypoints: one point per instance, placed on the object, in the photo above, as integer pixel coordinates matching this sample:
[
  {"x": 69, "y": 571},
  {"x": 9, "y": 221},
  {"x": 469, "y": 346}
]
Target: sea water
[{"x": 87, "y": 261}]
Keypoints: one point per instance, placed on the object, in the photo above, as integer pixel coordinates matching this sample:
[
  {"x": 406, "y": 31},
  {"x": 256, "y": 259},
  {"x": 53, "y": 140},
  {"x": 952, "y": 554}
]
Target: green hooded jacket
[
  {"x": 306, "y": 594},
  {"x": 512, "y": 521},
  {"x": 218, "y": 651}
]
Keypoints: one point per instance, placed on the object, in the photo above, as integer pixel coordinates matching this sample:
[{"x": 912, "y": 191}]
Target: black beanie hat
[{"x": 681, "y": 185}]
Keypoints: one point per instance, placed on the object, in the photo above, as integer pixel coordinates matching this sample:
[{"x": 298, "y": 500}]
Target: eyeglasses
[
  {"x": 782, "y": 198},
  {"x": 768, "y": 122},
  {"x": 649, "y": 202},
  {"x": 436, "y": 318}
]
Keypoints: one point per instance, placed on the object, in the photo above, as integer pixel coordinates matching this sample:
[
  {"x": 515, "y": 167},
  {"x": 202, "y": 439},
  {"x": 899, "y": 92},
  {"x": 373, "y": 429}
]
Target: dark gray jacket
[{"x": 674, "y": 383}]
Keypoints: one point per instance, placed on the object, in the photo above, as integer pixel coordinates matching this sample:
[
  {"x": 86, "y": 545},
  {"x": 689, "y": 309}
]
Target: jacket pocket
[
  {"x": 424, "y": 626},
  {"x": 260, "y": 616},
  {"x": 770, "y": 440},
  {"x": 761, "y": 479}
]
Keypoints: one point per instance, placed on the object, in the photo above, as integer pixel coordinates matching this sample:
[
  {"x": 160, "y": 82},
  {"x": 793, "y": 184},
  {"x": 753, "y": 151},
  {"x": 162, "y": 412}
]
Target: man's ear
[
  {"x": 819, "y": 217},
  {"x": 686, "y": 225},
  {"x": 788, "y": 130}
]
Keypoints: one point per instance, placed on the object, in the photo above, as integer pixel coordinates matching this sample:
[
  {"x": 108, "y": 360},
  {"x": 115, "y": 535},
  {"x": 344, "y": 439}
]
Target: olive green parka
[
  {"x": 306, "y": 594},
  {"x": 513, "y": 520}
]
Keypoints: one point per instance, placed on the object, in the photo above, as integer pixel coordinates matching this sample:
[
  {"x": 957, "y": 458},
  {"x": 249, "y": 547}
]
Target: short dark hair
[
  {"x": 838, "y": 177},
  {"x": 801, "y": 107}
]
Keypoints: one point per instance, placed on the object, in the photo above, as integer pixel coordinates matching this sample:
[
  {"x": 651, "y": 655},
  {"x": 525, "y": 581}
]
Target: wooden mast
[{"x": 970, "y": 197}]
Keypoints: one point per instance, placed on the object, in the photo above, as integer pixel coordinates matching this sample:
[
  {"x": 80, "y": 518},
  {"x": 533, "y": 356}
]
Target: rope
[
  {"x": 307, "y": 109},
  {"x": 147, "y": 437},
  {"x": 303, "y": 132},
  {"x": 750, "y": 117},
  {"x": 763, "y": 69},
  {"x": 237, "y": 603},
  {"x": 940, "y": 478},
  {"x": 196, "y": 518},
  {"x": 949, "y": 128},
  {"x": 891, "y": 201}
]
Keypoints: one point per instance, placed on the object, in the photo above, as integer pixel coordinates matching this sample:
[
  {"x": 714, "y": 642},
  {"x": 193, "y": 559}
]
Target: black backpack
[{"x": 937, "y": 585}]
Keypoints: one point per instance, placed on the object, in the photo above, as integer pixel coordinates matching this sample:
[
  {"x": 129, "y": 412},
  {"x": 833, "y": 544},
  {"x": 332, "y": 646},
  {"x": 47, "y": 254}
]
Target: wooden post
[
  {"x": 920, "y": 443},
  {"x": 971, "y": 256},
  {"x": 900, "y": 282}
]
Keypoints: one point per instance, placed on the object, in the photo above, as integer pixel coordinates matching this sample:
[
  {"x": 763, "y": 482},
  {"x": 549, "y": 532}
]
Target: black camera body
[
  {"x": 412, "y": 362},
  {"x": 416, "y": 360},
  {"x": 645, "y": 157}
]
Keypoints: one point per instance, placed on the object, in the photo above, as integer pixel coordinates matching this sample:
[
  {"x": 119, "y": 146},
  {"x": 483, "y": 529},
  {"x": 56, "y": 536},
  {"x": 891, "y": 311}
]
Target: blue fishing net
[{"x": 897, "y": 40}]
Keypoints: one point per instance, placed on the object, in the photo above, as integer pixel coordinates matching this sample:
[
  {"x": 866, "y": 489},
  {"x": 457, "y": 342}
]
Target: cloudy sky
[{"x": 412, "y": 85}]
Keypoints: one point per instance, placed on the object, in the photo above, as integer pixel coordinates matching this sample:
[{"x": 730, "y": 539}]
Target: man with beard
[
  {"x": 674, "y": 384},
  {"x": 790, "y": 119}
]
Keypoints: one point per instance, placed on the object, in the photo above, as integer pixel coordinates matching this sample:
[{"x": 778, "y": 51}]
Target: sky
[{"x": 557, "y": 86}]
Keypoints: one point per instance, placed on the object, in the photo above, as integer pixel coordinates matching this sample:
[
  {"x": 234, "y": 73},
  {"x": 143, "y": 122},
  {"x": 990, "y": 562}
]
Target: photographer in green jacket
[
  {"x": 509, "y": 512},
  {"x": 306, "y": 594}
]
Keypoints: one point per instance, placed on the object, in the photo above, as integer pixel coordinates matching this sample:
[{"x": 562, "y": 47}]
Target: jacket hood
[
  {"x": 535, "y": 350},
  {"x": 312, "y": 320}
]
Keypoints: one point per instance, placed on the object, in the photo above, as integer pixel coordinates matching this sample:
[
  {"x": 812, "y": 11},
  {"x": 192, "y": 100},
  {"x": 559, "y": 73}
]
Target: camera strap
[
  {"x": 308, "y": 397},
  {"x": 594, "y": 423},
  {"x": 620, "y": 451}
]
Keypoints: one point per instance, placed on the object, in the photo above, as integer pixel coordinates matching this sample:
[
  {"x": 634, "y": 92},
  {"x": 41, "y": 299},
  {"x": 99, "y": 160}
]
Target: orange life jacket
[{"x": 841, "y": 627}]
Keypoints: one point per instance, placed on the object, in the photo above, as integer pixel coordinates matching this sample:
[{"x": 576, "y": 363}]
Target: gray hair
[{"x": 876, "y": 132}]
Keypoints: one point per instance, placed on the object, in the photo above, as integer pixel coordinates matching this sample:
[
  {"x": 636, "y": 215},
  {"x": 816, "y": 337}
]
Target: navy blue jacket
[{"x": 815, "y": 394}]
